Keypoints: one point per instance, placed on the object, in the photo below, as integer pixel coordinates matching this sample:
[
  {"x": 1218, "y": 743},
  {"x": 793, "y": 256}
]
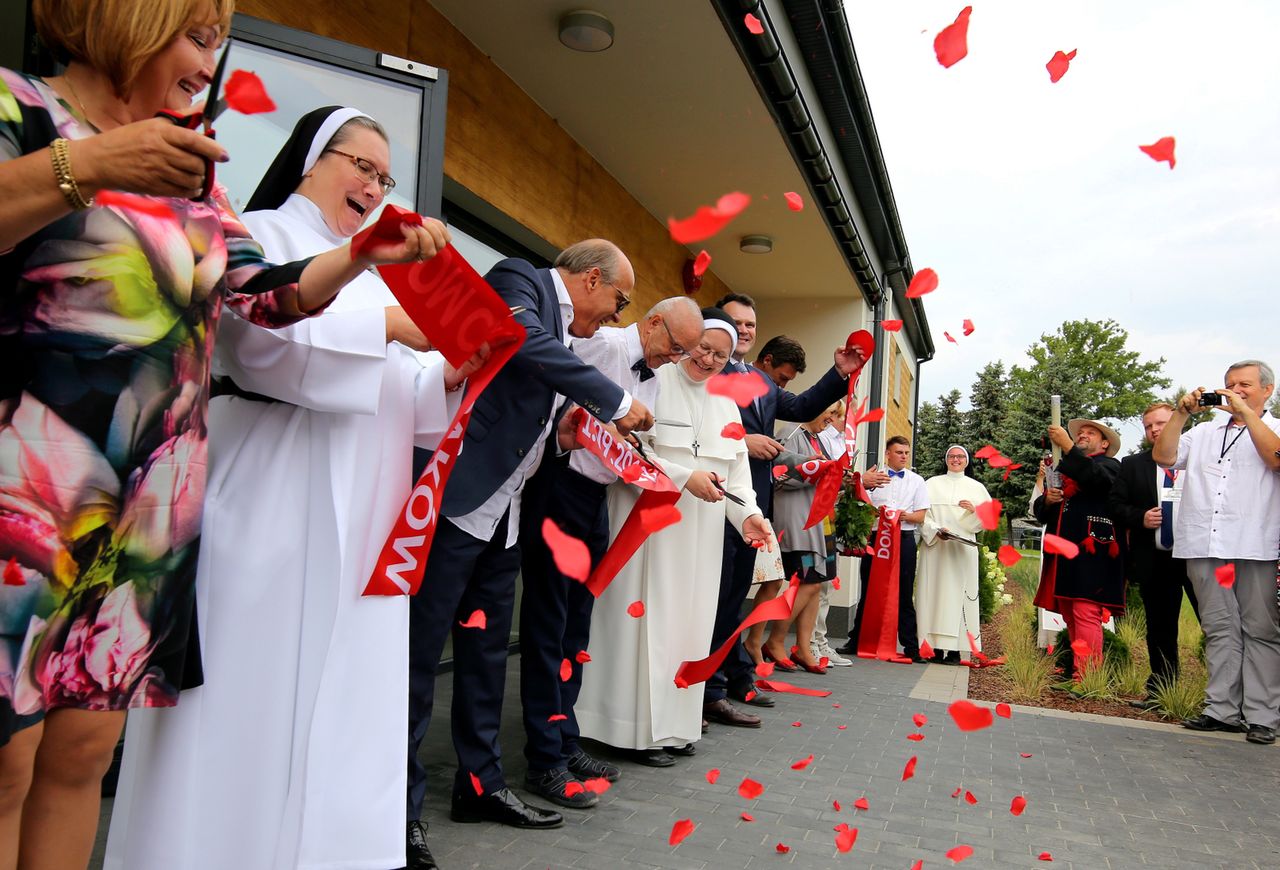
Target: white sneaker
[{"x": 833, "y": 658}]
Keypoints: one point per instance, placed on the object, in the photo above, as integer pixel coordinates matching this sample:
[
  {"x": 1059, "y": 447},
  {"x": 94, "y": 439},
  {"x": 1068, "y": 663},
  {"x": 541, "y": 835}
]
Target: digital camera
[{"x": 1212, "y": 400}]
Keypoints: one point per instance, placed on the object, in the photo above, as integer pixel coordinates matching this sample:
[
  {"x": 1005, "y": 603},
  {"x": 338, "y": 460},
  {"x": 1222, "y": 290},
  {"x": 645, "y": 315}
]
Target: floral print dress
[{"x": 107, "y": 322}]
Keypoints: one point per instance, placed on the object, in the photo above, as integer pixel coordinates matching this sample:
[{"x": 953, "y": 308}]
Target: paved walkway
[{"x": 1098, "y": 794}]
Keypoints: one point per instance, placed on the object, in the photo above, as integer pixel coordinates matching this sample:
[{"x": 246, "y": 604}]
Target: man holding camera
[{"x": 1228, "y": 530}]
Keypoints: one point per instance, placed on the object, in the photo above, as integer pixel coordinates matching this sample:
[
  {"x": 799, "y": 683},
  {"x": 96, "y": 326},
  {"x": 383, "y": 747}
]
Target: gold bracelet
[{"x": 60, "y": 154}]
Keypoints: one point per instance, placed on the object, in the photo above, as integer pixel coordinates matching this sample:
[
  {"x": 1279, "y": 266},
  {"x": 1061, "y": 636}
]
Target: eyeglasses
[
  {"x": 676, "y": 347},
  {"x": 367, "y": 171},
  {"x": 703, "y": 349},
  {"x": 623, "y": 299}
]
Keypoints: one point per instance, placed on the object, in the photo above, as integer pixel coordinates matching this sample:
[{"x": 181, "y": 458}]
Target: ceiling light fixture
[
  {"x": 756, "y": 244},
  {"x": 584, "y": 30}
]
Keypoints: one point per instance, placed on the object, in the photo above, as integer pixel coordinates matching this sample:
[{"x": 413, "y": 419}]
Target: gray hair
[
  {"x": 1265, "y": 374},
  {"x": 668, "y": 306},
  {"x": 591, "y": 254},
  {"x": 347, "y": 130}
]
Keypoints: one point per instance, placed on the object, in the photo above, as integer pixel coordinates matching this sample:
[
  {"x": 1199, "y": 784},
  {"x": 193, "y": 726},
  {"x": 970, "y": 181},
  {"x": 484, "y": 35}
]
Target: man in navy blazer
[
  {"x": 736, "y": 677},
  {"x": 474, "y": 558}
]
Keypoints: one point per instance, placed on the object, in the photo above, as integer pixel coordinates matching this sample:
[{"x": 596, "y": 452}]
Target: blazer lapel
[
  {"x": 549, "y": 290},
  {"x": 1149, "y": 466}
]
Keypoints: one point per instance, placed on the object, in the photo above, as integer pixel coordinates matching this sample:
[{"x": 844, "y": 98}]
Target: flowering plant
[
  {"x": 854, "y": 518},
  {"x": 991, "y": 580}
]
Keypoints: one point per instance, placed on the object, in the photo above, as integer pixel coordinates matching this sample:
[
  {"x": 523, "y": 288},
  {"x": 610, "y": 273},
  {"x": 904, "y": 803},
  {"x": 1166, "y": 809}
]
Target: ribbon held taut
[{"x": 878, "y": 638}]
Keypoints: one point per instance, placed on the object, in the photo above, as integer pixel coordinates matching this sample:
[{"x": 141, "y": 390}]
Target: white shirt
[
  {"x": 907, "y": 493},
  {"x": 1172, "y": 495},
  {"x": 833, "y": 439},
  {"x": 1230, "y": 500},
  {"x": 613, "y": 351}
]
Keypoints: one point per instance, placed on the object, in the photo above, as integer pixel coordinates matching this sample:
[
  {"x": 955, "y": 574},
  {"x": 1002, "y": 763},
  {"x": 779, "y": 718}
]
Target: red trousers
[{"x": 1084, "y": 622}]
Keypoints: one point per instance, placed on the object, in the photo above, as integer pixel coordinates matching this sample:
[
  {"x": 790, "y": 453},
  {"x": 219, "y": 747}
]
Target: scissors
[
  {"x": 214, "y": 105},
  {"x": 733, "y": 498}
]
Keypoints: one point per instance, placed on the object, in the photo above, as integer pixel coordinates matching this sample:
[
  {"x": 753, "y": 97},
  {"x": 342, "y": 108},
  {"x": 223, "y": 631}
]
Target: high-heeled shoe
[
  {"x": 782, "y": 664},
  {"x": 814, "y": 668}
]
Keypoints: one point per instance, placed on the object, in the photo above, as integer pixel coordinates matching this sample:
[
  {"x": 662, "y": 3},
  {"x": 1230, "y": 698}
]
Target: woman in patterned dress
[{"x": 107, "y": 321}]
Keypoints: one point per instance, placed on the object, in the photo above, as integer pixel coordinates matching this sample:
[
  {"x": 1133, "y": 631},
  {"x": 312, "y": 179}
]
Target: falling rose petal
[
  {"x": 1025, "y": 754},
  {"x": 952, "y": 42},
  {"x": 1017, "y": 805},
  {"x": 986, "y": 452},
  {"x": 753, "y": 24},
  {"x": 597, "y": 785},
  {"x": 794, "y": 202},
  {"x": 926, "y": 651},
  {"x": 925, "y": 281},
  {"x": 764, "y": 669},
  {"x": 475, "y": 784},
  {"x": 919, "y": 720},
  {"x": 133, "y": 202},
  {"x": 245, "y": 94},
  {"x": 1106, "y": 616},
  {"x": 956, "y": 793},
  {"x": 862, "y": 803},
  {"x": 708, "y": 220},
  {"x": 1057, "y": 546},
  {"x": 679, "y": 831},
  {"x": 566, "y": 670},
  {"x": 713, "y": 774},
  {"x": 841, "y": 727},
  {"x": 959, "y": 853},
  {"x": 749, "y": 789},
  {"x": 655, "y": 519},
  {"x": 989, "y": 514},
  {"x": 891, "y": 325},
  {"x": 846, "y": 838},
  {"x": 1161, "y": 151},
  {"x": 734, "y": 431},
  {"x": 1226, "y": 575},
  {"x": 999, "y": 460},
  {"x": 916, "y": 737},
  {"x": 13, "y": 574},
  {"x": 1049, "y": 650},
  {"x": 835, "y": 583},
  {"x": 967, "y": 324},
  {"x": 477, "y": 619},
  {"x": 1004, "y": 711},
  {"x": 919, "y": 865},
  {"x": 557, "y": 717},
  {"x": 909, "y": 770},
  {"x": 701, "y": 262},
  {"x": 747, "y": 817},
  {"x": 802, "y": 763},
  {"x": 948, "y": 337},
  {"x": 742, "y": 387},
  {"x": 582, "y": 657},
  {"x": 1008, "y": 556},
  {"x": 969, "y": 716},
  {"x": 797, "y": 724},
  {"x": 782, "y": 848},
  {"x": 1058, "y": 64},
  {"x": 570, "y": 554},
  {"x": 969, "y": 798},
  {"x": 1081, "y": 648},
  {"x": 1044, "y": 856},
  {"x": 836, "y": 706},
  {"x": 573, "y": 787},
  {"x": 635, "y": 609}
]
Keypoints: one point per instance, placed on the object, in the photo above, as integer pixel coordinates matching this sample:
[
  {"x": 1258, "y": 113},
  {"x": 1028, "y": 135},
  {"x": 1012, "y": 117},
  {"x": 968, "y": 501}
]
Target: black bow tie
[{"x": 642, "y": 369}]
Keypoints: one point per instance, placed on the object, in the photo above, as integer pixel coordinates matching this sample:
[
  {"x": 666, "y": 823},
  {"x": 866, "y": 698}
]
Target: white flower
[
  {"x": 1000, "y": 586},
  {"x": 1006, "y": 598}
]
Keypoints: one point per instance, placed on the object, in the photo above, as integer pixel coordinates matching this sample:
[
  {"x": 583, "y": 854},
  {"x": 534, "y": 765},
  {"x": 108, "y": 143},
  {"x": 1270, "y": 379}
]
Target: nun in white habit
[
  {"x": 947, "y": 570},
  {"x": 291, "y": 755}
]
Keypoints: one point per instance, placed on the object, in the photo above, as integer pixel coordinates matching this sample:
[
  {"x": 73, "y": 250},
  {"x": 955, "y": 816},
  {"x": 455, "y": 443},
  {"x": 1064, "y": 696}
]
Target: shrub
[
  {"x": 1026, "y": 573},
  {"x": 1181, "y": 697}
]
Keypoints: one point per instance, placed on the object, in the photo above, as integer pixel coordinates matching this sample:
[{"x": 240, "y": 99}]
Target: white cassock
[
  {"x": 947, "y": 571},
  {"x": 629, "y": 698},
  {"x": 291, "y": 755}
]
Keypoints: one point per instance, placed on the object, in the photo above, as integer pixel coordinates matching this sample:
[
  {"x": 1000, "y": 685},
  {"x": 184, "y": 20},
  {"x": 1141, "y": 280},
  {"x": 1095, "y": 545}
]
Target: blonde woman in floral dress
[{"x": 107, "y": 320}]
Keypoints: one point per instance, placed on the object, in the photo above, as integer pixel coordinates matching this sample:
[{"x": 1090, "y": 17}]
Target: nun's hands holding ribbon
[{"x": 420, "y": 243}]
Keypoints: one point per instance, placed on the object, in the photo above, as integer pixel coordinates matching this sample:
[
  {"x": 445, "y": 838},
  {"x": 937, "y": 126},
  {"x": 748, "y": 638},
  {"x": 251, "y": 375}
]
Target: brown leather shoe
[{"x": 726, "y": 714}]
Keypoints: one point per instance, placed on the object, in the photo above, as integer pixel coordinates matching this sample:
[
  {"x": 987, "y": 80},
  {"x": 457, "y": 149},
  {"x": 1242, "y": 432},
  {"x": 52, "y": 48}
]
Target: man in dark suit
[
  {"x": 474, "y": 558},
  {"x": 1143, "y": 500},
  {"x": 736, "y": 677}
]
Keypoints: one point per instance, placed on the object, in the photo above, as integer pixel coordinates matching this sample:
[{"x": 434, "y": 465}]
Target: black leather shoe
[
  {"x": 759, "y": 699},
  {"x": 726, "y": 714},
  {"x": 1205, "y": 722},
  {"x": 416, "y": 854},
  {"x": 1147, "y": 704},
  {"x": 561, "y": 787},
  {"x": 649, "y": 757},
  {"x": 687, "y": 750},
  {"x": 505, "y": 807},
  {"x": 847, "y": 650},
  {"x": 583, "y": 766},
  {"x": 1261, "y": 734}
]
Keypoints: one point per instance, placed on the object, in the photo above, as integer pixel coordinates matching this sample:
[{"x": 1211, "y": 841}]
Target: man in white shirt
[
  {"x": 555, "y": 610},
  {"x": 903, "y": 490},
  {"x": 1228, "y": 530}
]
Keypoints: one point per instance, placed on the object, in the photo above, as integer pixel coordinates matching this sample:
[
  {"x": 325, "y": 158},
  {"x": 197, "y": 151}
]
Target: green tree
[
  {"x": 926, "y": 436},
  {"x": 946, "y": 424},
  {"x": 988, "y": 404}
]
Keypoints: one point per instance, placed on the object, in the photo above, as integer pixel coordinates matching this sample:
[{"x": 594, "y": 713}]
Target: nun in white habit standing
[{"x": 292, "y": 753}]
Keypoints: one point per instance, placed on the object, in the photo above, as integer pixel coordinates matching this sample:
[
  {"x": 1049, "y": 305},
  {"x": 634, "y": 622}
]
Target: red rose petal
[
  {"x": 734, "y": 431},
  {"x": 1058, "y": 64},
  {"x": 925, "y": 281},
  {"x": 989, "y": 513},
  {"x": 1162, "y": 150},
  {"x": 926, "y": 651},
  {"x": 969, "y": 798},
  {"x": 919, "y": 865},
  {"x": 597, "y": 785},
  {"x": 916, "y": 737},
  {"x": 742, "y": 387},
  {"x": 782, "y": 848},
  {"x": 751, "y": 693},
  {"x": 245, "y": 94},
  {"x": 655, "y": 519},
  {"x": 836, "y": 706},
  {"x": 566, "y": 670},
  {"x": 1017, "y": 805},
  {"x": 753, "y": 24},
  {"x": 951, "y": 44},
  {"x": 133, "y": 202},
  {"x": 747, "y": 817},
  {"x": 1045, "y": 856},
  {"x": 708, "y": 220},
  {"x": 969, "y": 716},
  {"x": 582, "y": 657},
  {"x": 846, "y": 838},
  {"x": 1081, "y": 648},
  {"x": 701, "y": 262},
  {"x": 635, "y": 609},
  {"x": 475, "y": 784},
  {"x": 557, "y": 717},
  {"x": 986, "y": 452},
  {"x": 841, "y": 727},
  {"x": 919, "y": 720},
  {"x": 1025, "y": 754},
  {"x": 1008, "y": 556},
  {"x": 1106, "y": 616},
  {"x": 713, "y": 774},
  {"x": 764, "y": 669},
  {"x": 967, "y": 324},
  {"x": 891, "y": 325},
  {"x": 1225, "y": 575},
  {"x": 570, "y": 554},
  {"x": 679, "y": 831},
  {"x": 909, "y": 770},
  {"x": 797, "y": 724},
  {"x": 779, "y": 472},
  {"x": 802, "y": 763},
  {"x": 862, "y": 803},
  {"x": 956, "y": 793},
  {"x": 13, "y": 575},
  {"x": 477, "y": 619},
  {"x": 948, "y": 337},
  {"x": 794, "y": 202},
  {"x": 573, "y": 787},
  {"x": 835, "y": 583},
  {"x": 1004, "y": 711},
  {"x": 959, "y": 853},
  {"x": 750, "y": 789},
  {"x": 835, "y": 805},
  {"x": 1057, "y": 546}
]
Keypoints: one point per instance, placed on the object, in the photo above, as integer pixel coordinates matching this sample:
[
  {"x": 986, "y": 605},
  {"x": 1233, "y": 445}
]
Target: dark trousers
[
  {"x": 463, "y": 574},
  {"x": 736, "y": 570},
  {"x": 1161, "y": 591},
  {"x": 555, "y": 610},
  {"x": 906, "y": 595}
]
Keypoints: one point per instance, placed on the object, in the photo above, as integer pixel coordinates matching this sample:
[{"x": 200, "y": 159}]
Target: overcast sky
[{"x": 1032, "y": 201}]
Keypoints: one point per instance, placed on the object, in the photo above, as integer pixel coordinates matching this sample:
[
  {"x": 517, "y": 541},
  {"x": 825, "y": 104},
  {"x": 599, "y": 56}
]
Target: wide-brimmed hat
[{"x": 1112, "y": 436}]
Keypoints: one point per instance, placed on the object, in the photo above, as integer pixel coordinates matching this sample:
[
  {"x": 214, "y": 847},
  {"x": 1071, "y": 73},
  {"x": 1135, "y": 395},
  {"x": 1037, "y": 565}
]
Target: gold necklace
[{"x": 83, "y": 111}]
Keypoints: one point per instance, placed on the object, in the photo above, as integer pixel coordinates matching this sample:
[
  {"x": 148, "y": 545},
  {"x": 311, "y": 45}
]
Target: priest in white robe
[
  {"x": 629, "y": 698},
  {"x": 291, "y": 755},
  {"x": 947, "y": 569}
]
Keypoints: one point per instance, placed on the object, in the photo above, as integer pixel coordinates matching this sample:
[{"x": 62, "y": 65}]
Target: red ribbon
[
  {"x": 691, "y": 673},
  {"x": 458, "y": 312},
  {"x": 879, "y": 636}
]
